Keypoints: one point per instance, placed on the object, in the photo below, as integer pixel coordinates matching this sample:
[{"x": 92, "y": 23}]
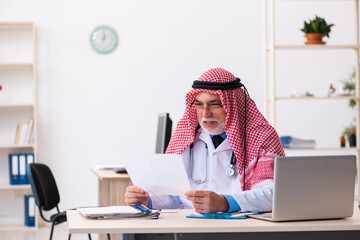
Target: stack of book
[
  {"x": 291, "y": 142},
  {"x": 24, "y": 132}
]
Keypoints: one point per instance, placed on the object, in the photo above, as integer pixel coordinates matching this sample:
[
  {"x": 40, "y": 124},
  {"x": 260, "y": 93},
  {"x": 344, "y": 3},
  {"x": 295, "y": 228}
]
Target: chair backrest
[{"x": 43, "y": 185}]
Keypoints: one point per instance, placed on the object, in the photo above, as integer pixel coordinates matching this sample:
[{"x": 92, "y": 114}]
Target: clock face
[{"x": 103, "y": 39}]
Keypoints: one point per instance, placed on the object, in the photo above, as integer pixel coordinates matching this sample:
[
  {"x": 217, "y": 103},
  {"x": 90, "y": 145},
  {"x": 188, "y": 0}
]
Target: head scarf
[{"x": 261, "y": 137}]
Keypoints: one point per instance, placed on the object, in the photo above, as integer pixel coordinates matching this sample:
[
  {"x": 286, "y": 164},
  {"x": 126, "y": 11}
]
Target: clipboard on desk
[{"x": 116, "y": 212}]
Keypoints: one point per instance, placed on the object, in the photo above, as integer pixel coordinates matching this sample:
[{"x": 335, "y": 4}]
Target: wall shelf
[
  {"x": 313, "y": 47},
  {"x": 15, "y": 187},
  {"x": 315, "y": 98},
  {"x": 17, "y": 106},
  {"x": 16, "y": 228},
  {"x": 15, "y": 146},
  {"x": 272, "y": 66},
  {"x": 347, "y": 149},
  {"x": 16, "y": 65}
]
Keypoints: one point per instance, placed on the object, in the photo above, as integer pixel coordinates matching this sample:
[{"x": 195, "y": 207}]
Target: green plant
[
  {"x": 350, "y": 128},
  {"x": 349, "y": 87},
  {"x": 317, "y": 25}
]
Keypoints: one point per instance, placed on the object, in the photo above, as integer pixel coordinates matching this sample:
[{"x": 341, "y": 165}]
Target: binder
[
  {"x": 22, "y": 169},
  {"x": 29, "y": 201},
  {"x": 14, "y": 169},
  {"x": 29, "y": 160}
]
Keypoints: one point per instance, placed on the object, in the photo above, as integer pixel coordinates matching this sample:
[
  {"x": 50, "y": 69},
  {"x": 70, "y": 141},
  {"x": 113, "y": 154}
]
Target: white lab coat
[{"x": 259, "y": 198}]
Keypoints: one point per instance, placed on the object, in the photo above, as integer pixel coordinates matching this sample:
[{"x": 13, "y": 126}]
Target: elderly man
[{"x": 228, "y": 149}]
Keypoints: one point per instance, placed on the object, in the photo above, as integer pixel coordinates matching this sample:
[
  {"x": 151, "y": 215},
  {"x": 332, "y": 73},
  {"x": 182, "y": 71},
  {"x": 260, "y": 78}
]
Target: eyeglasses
[{"x": 211, "y": 107}]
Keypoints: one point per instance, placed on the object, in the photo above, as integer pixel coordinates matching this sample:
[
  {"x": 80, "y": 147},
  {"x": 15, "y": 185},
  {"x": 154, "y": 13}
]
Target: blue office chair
[{"x": 46, "y": 194}]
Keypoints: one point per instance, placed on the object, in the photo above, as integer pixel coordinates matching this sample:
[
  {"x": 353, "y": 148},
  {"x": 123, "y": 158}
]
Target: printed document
[{"x": 158, "y": 173}]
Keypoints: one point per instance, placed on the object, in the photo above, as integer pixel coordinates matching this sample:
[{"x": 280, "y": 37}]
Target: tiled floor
[{"x": 43, "y": 233}]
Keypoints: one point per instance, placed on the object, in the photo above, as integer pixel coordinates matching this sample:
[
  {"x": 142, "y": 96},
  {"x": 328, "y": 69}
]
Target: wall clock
[{"x": 103, "y": 39}]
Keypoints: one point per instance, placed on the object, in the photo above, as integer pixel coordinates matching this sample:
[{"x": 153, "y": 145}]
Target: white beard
[{"x": 216, "y": 131}]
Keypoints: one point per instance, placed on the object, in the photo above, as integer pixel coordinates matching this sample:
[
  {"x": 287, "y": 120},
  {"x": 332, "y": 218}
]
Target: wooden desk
[
  {"x": 186, "y": 228},
  {"x": 112, "y": 187}
]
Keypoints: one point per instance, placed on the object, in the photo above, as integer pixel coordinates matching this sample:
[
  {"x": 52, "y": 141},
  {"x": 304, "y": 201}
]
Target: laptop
[{"x": 312, "y": 187}]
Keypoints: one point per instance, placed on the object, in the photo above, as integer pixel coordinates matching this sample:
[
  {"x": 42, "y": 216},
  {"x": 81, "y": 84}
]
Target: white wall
[{"x": 92, "y": 107}]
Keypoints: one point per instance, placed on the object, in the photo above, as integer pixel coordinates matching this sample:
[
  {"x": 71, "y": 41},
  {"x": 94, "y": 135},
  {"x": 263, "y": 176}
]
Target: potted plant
[
  {"x": 316, "y": 29},
  {"x": 349, "y": 88}
]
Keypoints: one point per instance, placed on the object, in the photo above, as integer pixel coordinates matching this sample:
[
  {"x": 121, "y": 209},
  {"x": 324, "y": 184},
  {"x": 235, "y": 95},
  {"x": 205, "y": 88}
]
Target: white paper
[{"x": 158, "y": 173}]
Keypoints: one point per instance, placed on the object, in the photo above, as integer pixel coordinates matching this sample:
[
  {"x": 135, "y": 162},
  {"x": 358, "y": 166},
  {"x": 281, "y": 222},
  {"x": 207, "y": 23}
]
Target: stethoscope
[{"x": 230, "y": 171}]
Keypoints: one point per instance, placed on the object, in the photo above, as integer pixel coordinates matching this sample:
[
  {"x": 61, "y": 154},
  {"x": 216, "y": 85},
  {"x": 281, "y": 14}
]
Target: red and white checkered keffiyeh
[{"x": 261, "y": 138}]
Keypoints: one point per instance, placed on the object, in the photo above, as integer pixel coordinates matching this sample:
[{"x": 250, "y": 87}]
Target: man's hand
[
  {"x": 207, "y": 201},
  {"x": 135, "y": 195}
]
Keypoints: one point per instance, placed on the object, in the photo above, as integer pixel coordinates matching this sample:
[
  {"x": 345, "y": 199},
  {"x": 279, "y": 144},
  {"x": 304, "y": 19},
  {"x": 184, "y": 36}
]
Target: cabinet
[
  {"x": 17, "y": 106},
  {"x": 336, "y": 55}
]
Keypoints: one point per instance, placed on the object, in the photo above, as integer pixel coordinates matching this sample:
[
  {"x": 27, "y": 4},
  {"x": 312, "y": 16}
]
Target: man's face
[{"x": 210, "y": 112}]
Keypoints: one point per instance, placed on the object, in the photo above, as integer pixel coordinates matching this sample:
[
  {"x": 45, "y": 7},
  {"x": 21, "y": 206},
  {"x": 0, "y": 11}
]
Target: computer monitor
[{"x": 163, "y": 132}]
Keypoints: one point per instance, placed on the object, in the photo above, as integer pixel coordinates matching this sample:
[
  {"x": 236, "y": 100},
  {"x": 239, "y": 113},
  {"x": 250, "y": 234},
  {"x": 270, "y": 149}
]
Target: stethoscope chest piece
[{"x": 231, "y": 171}]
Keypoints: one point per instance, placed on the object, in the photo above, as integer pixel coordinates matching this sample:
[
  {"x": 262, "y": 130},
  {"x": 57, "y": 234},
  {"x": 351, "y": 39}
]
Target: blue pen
[
  {"x": 142, "y": 208},
  {"x": 136, "y": 207}
]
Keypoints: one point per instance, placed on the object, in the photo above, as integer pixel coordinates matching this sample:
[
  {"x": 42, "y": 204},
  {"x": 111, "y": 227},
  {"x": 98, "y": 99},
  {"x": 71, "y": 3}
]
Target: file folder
[
  {"x": 14, "y": 169},
  {"x": 29, "y": 210},
  {"x": 22, "y": 169},
  {"x": 29, "y": 160}
]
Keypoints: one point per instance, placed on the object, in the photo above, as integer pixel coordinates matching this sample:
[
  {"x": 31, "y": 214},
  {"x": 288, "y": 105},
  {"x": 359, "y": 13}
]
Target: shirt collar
[{"x": 223, "y": 135}]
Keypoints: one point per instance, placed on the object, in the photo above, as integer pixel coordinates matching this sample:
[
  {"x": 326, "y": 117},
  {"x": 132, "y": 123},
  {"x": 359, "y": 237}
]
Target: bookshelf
[
  {"x": 17, "y": 106},
  {"x": 272, "y": 67}
]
